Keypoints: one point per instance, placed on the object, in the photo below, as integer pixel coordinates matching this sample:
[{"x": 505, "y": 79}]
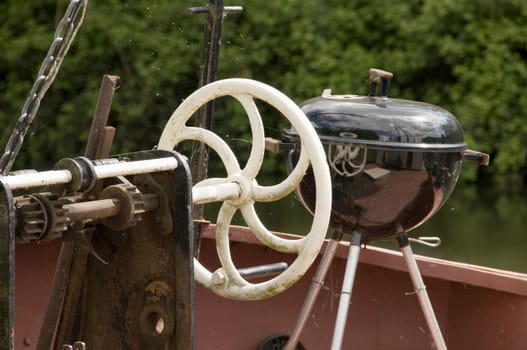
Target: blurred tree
[
  {"x": 468, "y": 57},
  {"x": 154, "y": 46}
]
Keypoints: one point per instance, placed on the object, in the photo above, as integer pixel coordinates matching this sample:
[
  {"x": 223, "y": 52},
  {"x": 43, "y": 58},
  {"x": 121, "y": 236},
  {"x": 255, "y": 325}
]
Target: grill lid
[{"x": 382, "y": 122}]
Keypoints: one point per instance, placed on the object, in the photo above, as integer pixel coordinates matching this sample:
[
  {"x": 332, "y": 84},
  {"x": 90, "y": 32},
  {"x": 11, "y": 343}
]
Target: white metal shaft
[
  {"x": 135, "y": 167},
  {"x": 54, "y": 177},
  {"x": 215, "y": 193},
  {"x": 345, "y": 296},
  {"x": 422, "y": 295},
  {"x": 37, "y": 179}
]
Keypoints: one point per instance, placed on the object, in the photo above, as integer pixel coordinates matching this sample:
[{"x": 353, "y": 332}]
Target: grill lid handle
[
  {"x": 380, "y": 76},
  {"x": 476, "y": 157}
]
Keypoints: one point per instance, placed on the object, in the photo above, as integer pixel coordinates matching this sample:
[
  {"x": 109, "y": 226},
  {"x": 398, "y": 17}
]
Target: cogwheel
[
  {"x": 41, "y": 217},
  {"x": 131, "y": 206}
]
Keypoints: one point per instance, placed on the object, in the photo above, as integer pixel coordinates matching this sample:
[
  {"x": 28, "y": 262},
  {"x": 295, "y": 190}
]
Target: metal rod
[
  {"x": 199, "y": 161},
  {"x": 260, "y": 271},
  {"x": 209, "y": 72},
  {"x": 212, "y": 32},
  {"x": 98, "y": 209},
  {"x": 103, "y": 106},
  {"x": 104, "y": 208},
  {"x": 43, "y": 178},
  {"x": 345, "y": 295},
  {"x": 135, "y": 167},
  {"x": 54, "y": 177},
  {"x": 314, "y": 289},
  {"x": 420, "y": 290},
  {"x": 69, "y": 273}
]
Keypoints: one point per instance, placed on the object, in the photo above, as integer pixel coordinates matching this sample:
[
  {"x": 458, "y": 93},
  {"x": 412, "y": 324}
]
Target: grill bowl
[{"x": 393, "y": 162}]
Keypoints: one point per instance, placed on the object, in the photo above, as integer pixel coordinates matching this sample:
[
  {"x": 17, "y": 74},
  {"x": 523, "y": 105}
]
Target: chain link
[{"x": 64, "y": 35}]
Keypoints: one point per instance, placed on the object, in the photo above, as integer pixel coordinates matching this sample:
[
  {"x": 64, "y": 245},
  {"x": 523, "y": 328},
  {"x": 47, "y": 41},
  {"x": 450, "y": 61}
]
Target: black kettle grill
[{"x": 393, "y": 162}]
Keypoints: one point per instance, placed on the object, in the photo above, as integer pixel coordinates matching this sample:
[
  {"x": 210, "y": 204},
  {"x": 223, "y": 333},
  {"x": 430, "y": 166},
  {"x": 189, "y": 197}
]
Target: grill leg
[
  {"x": 314, "y": 289},
  {"x": 345, "y": 295},
  {"x": 420, "y": 290}
]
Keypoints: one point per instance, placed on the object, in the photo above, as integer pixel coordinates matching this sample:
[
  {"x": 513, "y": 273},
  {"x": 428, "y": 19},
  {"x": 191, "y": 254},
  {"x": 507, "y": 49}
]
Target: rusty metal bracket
[{"x": 144, "y": 297}]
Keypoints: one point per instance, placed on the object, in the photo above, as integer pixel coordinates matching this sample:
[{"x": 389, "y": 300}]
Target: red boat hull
[{"x": 477, "y": 307}]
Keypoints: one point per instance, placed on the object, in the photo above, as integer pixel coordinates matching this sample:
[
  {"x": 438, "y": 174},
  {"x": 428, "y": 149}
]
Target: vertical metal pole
[
  {"x": 420, "y": 290},
  {"x": 69, "y": 273},
  {"x": 199, "y": 160},
  {"x": 7, "y": 268},
  {"x": 345, "y": 295},
  {"x": 208, "y": 73},
  {"x": 314, "y": 289}
]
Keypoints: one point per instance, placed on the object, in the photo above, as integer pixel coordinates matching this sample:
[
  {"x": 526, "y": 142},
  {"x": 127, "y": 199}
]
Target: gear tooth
[
  {"x": 30, "y": 218},
  {"x": 34, "y": 221},
  {"x": 138, "y": 203},
  {"x": 61, "y": 220},
  {"x": 33, "y": 213}
]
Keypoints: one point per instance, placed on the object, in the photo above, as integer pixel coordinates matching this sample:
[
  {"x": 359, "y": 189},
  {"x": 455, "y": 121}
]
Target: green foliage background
[{"x": 469, "y": 57}]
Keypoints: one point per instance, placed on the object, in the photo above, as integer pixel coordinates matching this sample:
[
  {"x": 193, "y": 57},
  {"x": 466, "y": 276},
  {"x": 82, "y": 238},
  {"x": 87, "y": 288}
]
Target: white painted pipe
[
  {"x": 36, "y": 179},
  {"x": 135, "y": 167},
  {"x": 54, "y": 177},
  {"x": 215, "y": 193}
]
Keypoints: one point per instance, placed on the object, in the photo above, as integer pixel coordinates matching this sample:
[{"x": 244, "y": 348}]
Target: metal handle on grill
[
  {"x": 379, "y": 76},
  {"x": 428, "y": 241},
  {"x": 476, "y": 157}
]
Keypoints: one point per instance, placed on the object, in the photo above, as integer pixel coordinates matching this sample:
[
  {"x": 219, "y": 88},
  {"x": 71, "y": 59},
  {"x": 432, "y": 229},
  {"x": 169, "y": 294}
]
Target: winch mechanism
[
  {"x": 56, "y": 212},
  {"x": 126, "y": 223},
  {"x": 132, "y": 213}
]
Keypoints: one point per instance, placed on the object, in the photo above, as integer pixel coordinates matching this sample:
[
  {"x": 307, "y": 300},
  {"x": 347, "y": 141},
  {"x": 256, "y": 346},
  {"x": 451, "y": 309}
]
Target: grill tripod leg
[
  {"x": 345, "y": 295},
  {"x": 420, "y": 290},
  {"x": 314, "y": 289},
  {"x": 349, "y": 277}
]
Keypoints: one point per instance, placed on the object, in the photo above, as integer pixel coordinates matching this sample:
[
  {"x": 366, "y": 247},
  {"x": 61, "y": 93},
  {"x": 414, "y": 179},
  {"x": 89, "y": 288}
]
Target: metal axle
[{"x": 104, "y": 171}]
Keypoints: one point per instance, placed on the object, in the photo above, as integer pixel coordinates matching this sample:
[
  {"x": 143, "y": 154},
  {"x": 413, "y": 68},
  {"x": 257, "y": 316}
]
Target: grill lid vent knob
[{"x": 379, "y": 76}]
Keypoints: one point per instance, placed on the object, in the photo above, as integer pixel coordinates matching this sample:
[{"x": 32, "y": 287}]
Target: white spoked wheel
[{"x": 240, "y": 190}]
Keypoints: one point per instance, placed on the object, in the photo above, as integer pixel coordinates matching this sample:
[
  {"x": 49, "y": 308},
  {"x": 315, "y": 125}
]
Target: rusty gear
[
  {"x": 40, "y": 217},
  {"x": 131, "y": 206}
]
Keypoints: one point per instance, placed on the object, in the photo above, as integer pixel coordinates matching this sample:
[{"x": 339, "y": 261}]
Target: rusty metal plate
[{"x": 143, "y": 297}]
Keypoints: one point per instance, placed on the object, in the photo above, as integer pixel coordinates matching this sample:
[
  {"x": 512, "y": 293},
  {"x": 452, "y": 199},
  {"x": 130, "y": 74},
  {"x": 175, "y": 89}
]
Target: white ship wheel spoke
[
  {"x": 282, "y": 189},
  {"x": 240, "y": 190}
]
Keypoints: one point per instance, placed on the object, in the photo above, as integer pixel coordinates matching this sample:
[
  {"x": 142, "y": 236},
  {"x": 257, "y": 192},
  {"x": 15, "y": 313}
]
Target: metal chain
[{"x": 64, "y": 35}]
